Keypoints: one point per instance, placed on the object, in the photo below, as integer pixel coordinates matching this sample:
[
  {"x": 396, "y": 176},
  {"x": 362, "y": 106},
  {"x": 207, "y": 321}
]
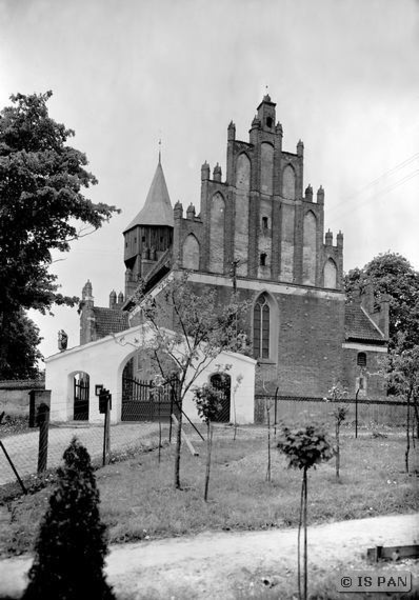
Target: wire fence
[
  {"x": 360, "y": 413},
  {"x": 28, "y": 456}
]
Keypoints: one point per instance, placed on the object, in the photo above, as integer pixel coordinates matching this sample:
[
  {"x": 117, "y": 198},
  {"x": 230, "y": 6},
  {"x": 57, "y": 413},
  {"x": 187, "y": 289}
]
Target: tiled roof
[
  {"x": 109, "y": 320},
  {"x": 358, "y": 326},
  {"x": 157, "y": 209}
]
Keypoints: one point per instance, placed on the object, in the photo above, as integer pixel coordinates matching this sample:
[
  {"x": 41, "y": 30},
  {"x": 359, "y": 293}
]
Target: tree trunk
[
  {"x": 406, "y": 454},
  {"x": 337, "y": 450},
  {"x": 305, "y": 532},
  {"x": 209, "y": 450},
  {"x": 178, "y": 448},
  {"x": 268, "y": 418}
]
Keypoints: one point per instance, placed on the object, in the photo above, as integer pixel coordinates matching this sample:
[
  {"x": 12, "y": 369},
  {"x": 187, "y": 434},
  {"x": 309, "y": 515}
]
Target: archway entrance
[
  {"x": 144, "y": 401},
  {"x": 81, "y": 396},
  {"x": 222, "y": 383}
]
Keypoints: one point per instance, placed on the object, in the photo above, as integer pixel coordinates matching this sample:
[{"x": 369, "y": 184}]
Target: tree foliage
[
  {"x": 42, "y": 206},
  {"x": 71, "y": 546},
  {"x": 18, "y": 352},
  {"x": 391, "y": 274}
]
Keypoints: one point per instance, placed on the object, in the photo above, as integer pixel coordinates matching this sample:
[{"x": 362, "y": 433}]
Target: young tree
[
  {"x": 71, "y": 546},
  {"x": 403, "y": 376},
  {"x": 209, "y": 406},
  {"x": 337, "y": 394},
  {"x": 42, "y": 207},
  {"x": 304, "y": 448},
  {"x": 201, "y": 327}
]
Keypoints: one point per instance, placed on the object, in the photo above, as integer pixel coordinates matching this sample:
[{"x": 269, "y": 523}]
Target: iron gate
[
  {"x": 222, "y": 382},
  {"x": 142, "y": 401},
  {"x": 81, "y": 399}
]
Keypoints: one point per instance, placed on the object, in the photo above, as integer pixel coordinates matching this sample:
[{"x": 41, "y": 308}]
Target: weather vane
[{"x": 160, "y": 148}]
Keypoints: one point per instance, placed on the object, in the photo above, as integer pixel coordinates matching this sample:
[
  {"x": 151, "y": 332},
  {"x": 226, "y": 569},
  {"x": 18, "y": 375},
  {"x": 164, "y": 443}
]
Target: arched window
[
  {"x": 361, "y": 360},
  {"x": 216, "y": 261},
  {"x": 261, "y": 328},
  {"x": 309, "y": 248},
  {"x": 288, "y": 183},
  {"x": 330, "y": 274},
  {"x": 190, "y": 253},
  {"x": 267, "y": 168}
]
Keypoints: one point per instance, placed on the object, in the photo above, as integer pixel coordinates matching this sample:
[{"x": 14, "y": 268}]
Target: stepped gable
[
  {"x": 109, "y": 320},
  {"x": 359, "y": 326},
  {"x": 157, "y": 209}
]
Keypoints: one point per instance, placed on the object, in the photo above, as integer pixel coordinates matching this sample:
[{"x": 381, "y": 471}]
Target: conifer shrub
[{"x": 71, "y": 546}]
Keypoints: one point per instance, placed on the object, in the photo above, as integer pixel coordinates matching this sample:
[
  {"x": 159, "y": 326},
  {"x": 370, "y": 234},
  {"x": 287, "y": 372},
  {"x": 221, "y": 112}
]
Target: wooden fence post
[
  {"x": 107, "y": 432},
  {"x": 43, "y": 420}
]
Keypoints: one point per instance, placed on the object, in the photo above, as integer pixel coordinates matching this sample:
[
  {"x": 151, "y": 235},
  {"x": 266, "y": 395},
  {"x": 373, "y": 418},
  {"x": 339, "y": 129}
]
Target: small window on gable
[
  {"x": 263, "y": 259},
  {"x": 361, "y": 359},
  {"x": 265, "y": 223},
  {"x": 142, "y": 239},
  {"x": 269, "y": 121}
]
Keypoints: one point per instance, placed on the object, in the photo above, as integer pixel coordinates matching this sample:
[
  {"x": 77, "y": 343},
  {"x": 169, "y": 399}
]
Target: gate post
[{"x": 43, "y": 420}]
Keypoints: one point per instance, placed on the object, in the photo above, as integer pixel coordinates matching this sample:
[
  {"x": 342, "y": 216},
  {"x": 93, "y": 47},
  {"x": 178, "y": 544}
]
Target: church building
[{"x": 260, "y": 231}]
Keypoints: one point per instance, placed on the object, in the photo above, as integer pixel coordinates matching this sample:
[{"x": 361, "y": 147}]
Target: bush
[{"x": 71, "y": 545}]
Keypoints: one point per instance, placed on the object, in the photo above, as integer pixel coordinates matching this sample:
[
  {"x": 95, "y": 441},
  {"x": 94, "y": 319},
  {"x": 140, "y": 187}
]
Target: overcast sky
[{"x": 344, "y": 75}]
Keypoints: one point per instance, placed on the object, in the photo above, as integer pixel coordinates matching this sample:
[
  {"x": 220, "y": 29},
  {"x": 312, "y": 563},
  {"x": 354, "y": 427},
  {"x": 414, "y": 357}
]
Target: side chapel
[{"x": 260, "y": 227}]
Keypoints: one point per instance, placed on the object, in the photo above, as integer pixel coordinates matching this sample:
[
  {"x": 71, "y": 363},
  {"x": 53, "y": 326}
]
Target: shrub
[{"x": 71, "y": 545}]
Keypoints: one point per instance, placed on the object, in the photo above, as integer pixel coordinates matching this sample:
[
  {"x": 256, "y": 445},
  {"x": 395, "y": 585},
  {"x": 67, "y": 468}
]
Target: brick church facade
[{"x": 261, "y": 232}]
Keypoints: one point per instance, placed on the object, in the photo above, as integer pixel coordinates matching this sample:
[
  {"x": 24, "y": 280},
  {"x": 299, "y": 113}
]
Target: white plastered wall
[{"x": 104, "y": 362}]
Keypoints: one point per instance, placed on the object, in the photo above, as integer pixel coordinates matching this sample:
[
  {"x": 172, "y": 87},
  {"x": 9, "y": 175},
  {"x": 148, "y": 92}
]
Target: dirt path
[{"x": 215, "y": 565}]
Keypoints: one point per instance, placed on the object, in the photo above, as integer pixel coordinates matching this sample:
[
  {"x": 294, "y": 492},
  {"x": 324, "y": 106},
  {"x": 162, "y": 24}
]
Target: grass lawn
[{"x": 138, "y": 499}]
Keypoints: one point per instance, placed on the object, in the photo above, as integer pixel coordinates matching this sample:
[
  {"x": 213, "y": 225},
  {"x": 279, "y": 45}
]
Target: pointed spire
[{"x": 157, "y": 209}]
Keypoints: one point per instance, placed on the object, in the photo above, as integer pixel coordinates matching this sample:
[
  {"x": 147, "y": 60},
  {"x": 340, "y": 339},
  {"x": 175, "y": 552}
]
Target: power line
[{"x": 374, "y": 182}]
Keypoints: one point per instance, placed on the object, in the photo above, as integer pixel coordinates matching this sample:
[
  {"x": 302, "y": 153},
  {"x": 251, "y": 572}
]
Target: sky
[{"x": 124, "y": 74}]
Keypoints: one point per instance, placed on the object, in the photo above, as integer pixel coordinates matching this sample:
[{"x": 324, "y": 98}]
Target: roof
[
  {"x": 359, "y": 326},
  {"x": 109, "y": 320},
  {"x": 157, "y": 209},
  {"x": 156, "y": 273}
]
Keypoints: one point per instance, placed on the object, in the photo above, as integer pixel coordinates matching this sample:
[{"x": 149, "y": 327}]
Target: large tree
[
  {"x": 392, "y": 274},
  {"x": 42, "y": 208},
  {"x": 20, "y": 361}
]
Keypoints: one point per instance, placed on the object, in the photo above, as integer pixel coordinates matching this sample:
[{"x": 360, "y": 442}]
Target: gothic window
[
  {"x": 309, "y": 248},
  {"x": 330, "y": 274},
  {"x": 261, "y": 328},
  {"x": 216, "y": 259},
  {"x": 288, "y": 183},
  {"x": 265, "y": 223},
  {"x": 263, "y": 259},
  {"x": 269, "y": 121},
  {"x": 190, "y": 253},
  {"x": 361, "y": 360},
  {"x": 267, "y": 168}
]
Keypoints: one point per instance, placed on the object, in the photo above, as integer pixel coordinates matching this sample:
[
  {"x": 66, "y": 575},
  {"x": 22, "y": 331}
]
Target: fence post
[
  {"x": 43, "y": 421},
  {"x": 107, "y": 431}
]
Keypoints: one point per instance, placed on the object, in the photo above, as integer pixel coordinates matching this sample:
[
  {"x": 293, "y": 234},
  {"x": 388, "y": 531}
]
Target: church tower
[{"x": 150, "y": 233}]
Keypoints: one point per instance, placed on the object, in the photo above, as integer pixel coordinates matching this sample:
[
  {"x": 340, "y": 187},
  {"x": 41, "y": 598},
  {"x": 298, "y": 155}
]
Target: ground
[{"x": 241, "y": 565}]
